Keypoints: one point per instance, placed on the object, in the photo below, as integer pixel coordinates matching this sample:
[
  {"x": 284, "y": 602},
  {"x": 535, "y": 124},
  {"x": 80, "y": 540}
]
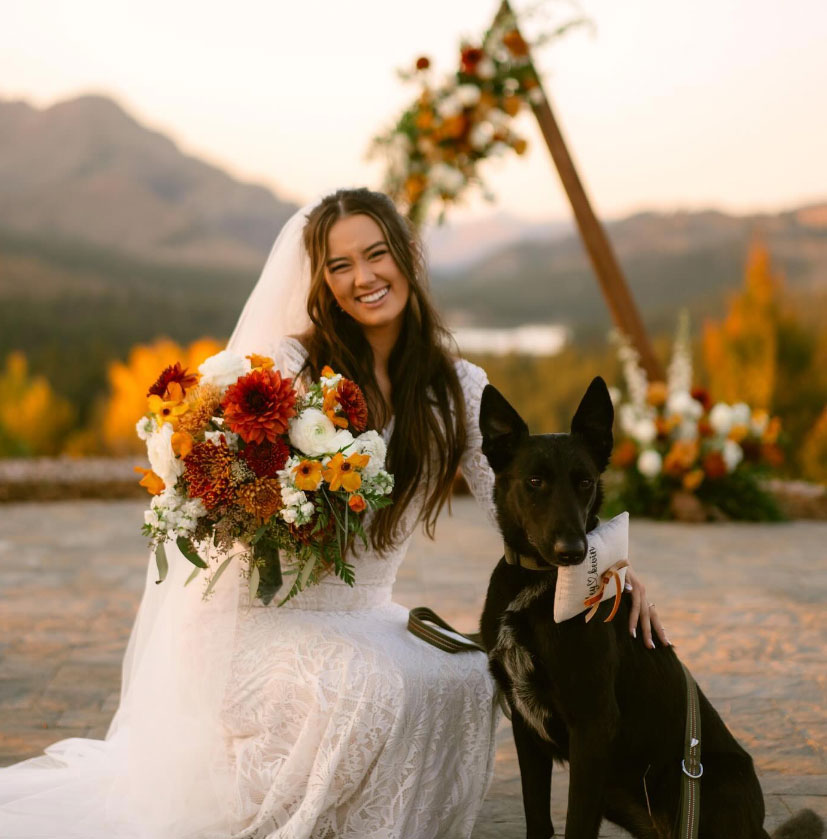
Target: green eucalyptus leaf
[
  {"x": 219, "y": 571},
  {"x": 187, "y": 549},
  {"x": 161, "y": 562},
  {"x": 195, "y": 573}
]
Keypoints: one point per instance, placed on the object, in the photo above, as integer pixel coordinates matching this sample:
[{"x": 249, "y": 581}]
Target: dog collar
[{"x": 527, "y": 562}]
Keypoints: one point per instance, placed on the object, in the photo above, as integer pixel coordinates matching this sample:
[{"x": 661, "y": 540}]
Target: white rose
[
  {"x": 468, "y": 94},
  {"x": 644, "y": 431},
  {"x": 720, "y": 418},
  {"x": 741, "y": 413},
  {"x": 312, "y": 433},
  {"x": 162, "y": 459},
  {"x": 372, "y": 444},
  {"x": 223, "y": 369},
  {"x": 733, "y": 454},
  {"x": 649, "y": 463}
]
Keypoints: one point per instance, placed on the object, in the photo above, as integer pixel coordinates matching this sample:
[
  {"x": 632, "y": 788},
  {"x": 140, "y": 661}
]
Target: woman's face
[{"x": 362, "y": 274}]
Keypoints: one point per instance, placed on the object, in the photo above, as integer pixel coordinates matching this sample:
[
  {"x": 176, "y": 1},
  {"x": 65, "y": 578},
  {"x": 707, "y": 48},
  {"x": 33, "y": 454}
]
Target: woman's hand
[{"x": 645, "y": 611}]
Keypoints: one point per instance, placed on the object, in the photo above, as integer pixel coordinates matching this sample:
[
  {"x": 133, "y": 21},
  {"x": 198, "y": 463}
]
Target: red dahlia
[
  {"x": 352, "y": 400},
  {"x": 258, "y": 405},
  {"x": 207, "y": 473},
  {"x": 265, "y": 459},
  {"x": 173, "y": 373}
]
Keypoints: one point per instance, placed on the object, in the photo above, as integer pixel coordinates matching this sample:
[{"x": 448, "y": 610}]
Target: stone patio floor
[{"x": 743, "y": 603}]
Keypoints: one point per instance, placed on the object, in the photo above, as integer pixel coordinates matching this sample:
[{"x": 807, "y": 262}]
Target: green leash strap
[
  {"x": 427, "y": 625},
  {"x": 691, "y": 767}
]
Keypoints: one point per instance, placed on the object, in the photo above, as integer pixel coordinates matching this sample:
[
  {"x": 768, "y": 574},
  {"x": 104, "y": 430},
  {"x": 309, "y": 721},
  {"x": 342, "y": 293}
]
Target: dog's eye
[
  {"x": 535, "y": 482},
  {"x": 586, "y": 483}
]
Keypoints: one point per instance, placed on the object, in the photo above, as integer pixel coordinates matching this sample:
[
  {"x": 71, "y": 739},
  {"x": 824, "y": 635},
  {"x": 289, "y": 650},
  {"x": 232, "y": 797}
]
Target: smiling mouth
[{"x": 374, "y": 296}]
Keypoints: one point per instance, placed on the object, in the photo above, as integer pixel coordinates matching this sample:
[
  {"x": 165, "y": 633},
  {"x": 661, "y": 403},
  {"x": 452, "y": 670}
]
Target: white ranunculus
[
  {"x": 741, "y": 413},
  {"x": 312, "y": 433},
  {"x": 468, "y": 94},
  {"x": 644, "y": 431},
  {"x": 223, "y": 369},
  {"x": 343, "y": 439},
  {"x": 162, "y": 459},
  {"x": 733, "y": 454},
  {"x": 649, "y": 463},
  {"x": 372, "y": 444},
  {"x": 720, "y": 418}
]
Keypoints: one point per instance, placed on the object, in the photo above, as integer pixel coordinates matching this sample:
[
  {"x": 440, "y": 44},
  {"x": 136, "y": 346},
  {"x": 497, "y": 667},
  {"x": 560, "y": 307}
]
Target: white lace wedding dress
[{"x": 340, "y": 724}]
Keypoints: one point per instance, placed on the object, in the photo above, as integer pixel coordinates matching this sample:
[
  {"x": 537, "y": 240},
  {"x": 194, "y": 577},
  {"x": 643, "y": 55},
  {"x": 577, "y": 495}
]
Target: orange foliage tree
[
  {"x": 33, "y": 418},
  {"x": 740, "y": 353},
  {"x": 130, "y": 381}
]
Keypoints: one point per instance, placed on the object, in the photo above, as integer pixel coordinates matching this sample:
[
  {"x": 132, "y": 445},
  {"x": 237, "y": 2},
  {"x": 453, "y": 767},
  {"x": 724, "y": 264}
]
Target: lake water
[{"x": 528, "y": 339}]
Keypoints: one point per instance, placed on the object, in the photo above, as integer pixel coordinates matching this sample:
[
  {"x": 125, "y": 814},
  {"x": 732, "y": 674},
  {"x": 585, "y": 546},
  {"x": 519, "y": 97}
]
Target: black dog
[{"x": 589, "y": 693}]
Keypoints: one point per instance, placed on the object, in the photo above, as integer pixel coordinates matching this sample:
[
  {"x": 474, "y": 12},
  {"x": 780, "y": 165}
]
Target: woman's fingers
[{"x": 644, "y": 612}]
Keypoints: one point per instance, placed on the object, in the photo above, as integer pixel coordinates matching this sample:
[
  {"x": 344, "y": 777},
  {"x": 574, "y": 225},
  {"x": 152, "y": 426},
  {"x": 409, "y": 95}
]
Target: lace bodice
[{"x": 375, "y": 574}]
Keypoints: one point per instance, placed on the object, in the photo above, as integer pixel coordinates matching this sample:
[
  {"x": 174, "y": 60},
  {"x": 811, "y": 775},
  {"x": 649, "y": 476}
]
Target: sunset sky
[{"x": 665, "y": 105}]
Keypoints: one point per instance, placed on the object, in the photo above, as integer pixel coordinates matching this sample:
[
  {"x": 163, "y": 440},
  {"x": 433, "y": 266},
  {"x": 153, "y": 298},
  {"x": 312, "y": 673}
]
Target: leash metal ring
[{"x": 688, "y": 773}]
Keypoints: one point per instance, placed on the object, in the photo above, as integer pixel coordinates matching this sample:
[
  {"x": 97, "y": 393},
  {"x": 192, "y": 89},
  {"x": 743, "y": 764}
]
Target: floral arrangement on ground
[
  {"x": 244, "y": 467},
  {"x": 679, "y": 455}
]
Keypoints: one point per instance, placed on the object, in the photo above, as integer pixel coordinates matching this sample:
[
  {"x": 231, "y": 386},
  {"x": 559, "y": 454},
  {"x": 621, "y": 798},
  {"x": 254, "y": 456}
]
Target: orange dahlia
[
  {"x": 258, "y": 406},
  {"x": 352, "y": 402},
  {"x": 173, "y": 373},
  {"x": 207, "y": 473},
  {"x": 260, "y": 498},
  {"x": 265, "y": 459}
]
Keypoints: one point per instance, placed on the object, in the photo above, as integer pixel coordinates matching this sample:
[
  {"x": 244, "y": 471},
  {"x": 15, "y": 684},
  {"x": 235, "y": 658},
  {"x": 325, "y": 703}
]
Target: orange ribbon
[{"x": 595, "y": 600}]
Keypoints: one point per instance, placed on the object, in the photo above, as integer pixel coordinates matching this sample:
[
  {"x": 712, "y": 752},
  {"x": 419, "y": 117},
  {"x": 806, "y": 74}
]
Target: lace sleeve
[
  {"x": 474, "y": 464},
  {"x": 289, "y": 356}
]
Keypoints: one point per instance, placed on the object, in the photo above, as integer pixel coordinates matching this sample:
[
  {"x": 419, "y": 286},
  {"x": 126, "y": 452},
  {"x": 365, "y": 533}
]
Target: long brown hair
[{"x": 429, "y": 426}]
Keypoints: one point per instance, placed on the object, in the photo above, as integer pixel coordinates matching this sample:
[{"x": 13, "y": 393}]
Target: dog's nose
[{"x": 569, "y": 551}]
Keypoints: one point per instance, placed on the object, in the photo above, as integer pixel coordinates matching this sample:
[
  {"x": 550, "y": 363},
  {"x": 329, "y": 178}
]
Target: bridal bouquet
[{"x": 242, "y": 463}]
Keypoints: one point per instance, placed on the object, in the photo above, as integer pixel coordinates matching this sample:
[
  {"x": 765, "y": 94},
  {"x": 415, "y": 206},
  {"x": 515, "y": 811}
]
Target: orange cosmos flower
[
  {"x": 308, "y": 474},
  {"x": 356, "y": 503},
  {"x": 329, "y": 407},
  {"x": 153, "y": 483},
  {"x": 182, "y": 443},
  {"x": 341, "y": 472},
  {"x": 260, "y": 362}
]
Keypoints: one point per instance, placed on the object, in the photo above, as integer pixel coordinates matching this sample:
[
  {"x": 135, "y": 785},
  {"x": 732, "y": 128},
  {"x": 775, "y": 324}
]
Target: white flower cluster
[
  {"x": 171, "y": 515},
  {"x": 162, "y": 459},
  {"x": 297, "y": 510},
  {"x": 637, "y": 383},
  {"x": 146, "y": 425},
  {"x": 223, "y": 369}
]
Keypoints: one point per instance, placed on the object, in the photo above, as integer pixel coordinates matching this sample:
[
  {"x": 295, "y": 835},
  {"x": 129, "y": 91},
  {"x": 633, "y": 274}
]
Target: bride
[{"x": 324, "y": 718}]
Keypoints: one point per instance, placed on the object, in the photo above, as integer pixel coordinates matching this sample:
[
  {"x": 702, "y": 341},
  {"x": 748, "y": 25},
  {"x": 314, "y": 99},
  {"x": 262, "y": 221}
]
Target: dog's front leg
[
  {"x": 535, "y": 777},
  {"x": 589, "y": 761}
]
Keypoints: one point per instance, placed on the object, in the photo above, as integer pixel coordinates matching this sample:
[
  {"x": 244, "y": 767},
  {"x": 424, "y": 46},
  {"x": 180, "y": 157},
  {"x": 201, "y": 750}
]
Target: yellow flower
[
  {"x": 308, "y": 474},
  {"x": 260, "y": 362},
  {"x": 327, "y": 372},
  {"x": 153, "y": 483},
  {"x": 182, "y": 443},
  {"x": 331, "y": 405},
  {"x": 341, "y": 472},
  {"x": 168, "y": 410}
]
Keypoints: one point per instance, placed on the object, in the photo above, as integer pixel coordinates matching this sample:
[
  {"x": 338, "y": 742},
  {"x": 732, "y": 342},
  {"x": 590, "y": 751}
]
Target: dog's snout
[{"x": 570, "y": 551}]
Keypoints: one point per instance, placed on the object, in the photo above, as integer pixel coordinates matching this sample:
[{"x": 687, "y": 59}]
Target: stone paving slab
[{"x": 744, "y": 605}]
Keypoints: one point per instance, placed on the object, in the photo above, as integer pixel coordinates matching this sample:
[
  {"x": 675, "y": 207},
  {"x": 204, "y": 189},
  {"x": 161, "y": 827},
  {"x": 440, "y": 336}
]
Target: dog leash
[
  {"x": 426, "y": 624},
  {"x": 691, "y": 765}
]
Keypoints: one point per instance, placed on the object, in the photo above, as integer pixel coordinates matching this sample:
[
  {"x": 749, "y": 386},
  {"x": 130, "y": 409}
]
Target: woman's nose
[{"x": 364, "y": 273}]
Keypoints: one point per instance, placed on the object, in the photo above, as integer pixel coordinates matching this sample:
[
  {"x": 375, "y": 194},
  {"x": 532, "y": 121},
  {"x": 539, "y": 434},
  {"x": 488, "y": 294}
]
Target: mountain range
[{"x": 111, "y": 235}]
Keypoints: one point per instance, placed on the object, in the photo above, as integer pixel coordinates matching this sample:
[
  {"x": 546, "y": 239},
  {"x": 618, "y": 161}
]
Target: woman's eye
[
  {"x": 535, "y": 482},
  {"x": 377, "y": 254}
]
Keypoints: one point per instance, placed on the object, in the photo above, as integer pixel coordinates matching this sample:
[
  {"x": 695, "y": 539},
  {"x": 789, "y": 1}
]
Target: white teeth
[{"x": 377, "y": 295}]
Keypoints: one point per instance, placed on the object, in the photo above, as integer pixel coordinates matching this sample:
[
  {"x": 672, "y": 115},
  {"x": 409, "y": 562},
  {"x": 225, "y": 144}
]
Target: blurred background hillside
[{"x": 120, "y": 252}]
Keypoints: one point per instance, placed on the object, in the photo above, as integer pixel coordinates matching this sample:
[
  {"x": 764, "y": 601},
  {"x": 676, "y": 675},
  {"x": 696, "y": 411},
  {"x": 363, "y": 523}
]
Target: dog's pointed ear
[
  {"x": 593, "y": 422},
  {"x": 501, "y": 426}
]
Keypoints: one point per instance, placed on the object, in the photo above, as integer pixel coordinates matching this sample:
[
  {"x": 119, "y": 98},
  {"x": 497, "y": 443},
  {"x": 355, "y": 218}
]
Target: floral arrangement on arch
[
  {"x": 682, "y": 456},
  {"x": 434, "y": 149},
  {"x": 245, "y": 467}
]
